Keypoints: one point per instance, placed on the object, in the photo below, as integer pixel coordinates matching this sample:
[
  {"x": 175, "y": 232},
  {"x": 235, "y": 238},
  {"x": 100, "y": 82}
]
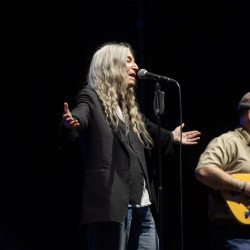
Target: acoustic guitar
[{"x": 238, "y": 203}]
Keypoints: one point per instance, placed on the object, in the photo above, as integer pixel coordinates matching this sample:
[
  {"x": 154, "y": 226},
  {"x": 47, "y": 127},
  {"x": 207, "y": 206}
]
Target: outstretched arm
[{"x": 188, "y": 138}]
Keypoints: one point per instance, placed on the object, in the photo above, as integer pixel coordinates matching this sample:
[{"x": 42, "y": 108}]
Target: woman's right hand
[{"x": 67, "y": 118}]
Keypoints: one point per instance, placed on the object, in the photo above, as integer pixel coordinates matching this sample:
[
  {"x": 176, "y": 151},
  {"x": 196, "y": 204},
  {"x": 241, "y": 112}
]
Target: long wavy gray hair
[{"x": 107, "y": 77}]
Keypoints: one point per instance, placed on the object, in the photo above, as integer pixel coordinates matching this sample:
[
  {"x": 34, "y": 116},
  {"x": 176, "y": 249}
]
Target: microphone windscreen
[{"x": 141, "y": 73}]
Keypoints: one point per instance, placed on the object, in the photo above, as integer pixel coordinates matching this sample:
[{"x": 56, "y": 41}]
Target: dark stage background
[{"x": 203, "y": 45}]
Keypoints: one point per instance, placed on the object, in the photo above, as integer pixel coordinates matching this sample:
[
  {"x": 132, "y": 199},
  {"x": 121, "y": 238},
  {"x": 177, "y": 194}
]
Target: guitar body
[{"x": 238, "y": 203}]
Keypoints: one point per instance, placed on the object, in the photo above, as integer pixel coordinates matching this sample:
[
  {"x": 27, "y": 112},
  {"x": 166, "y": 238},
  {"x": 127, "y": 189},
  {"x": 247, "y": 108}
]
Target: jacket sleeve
[
  {"x": 166, "y": 138},
  {"x": 83, "y": 111}
]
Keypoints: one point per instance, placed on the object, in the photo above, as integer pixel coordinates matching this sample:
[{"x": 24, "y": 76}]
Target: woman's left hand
[{"x": 188, "y": 138}]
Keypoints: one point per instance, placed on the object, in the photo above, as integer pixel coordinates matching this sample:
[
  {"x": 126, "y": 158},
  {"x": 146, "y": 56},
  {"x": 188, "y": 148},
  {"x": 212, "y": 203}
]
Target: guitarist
[{"x": 227, "y": 154}]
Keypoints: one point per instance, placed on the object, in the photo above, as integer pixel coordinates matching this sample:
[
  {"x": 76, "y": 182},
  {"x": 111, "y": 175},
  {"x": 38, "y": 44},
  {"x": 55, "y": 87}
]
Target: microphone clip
[{"x": 159, "y": 105}]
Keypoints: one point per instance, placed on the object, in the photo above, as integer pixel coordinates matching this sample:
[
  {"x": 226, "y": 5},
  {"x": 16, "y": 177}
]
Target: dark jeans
[
  {"x": 136, "y": 232},
  {"x": 230, "y": 236}
]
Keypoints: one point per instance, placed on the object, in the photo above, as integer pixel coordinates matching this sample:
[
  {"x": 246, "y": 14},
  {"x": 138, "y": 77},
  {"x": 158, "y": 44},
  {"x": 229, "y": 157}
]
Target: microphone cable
[{"x": 180, "y": 165}]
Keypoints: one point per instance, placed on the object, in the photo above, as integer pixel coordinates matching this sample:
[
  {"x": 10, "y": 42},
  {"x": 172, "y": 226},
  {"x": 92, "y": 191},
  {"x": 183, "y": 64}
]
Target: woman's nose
[{"x": 135, "y": 66}]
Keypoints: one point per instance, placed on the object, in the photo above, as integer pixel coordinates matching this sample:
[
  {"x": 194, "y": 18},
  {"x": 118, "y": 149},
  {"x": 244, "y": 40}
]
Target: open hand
[
  {"x": 188, "y": 138},
  {"x": 67, "y": 118}
]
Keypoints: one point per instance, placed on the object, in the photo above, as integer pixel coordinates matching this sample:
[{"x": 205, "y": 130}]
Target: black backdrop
[{"x": 204, "y": 46}]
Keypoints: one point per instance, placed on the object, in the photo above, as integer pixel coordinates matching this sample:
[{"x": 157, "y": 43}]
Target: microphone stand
[{"x": 159, "y": 111}]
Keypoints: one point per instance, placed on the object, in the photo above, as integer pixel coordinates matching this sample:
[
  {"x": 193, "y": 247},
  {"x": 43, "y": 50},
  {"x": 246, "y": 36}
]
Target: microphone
[{"x": 144, "y": 74}]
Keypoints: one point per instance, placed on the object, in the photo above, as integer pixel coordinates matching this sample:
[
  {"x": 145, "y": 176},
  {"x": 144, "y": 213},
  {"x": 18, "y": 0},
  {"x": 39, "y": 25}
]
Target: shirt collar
[{"x": 245, "y": 135}]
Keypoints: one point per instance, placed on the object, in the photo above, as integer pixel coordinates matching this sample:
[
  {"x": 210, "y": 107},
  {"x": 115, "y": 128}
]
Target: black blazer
[{"x": 106, "y": 162}]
